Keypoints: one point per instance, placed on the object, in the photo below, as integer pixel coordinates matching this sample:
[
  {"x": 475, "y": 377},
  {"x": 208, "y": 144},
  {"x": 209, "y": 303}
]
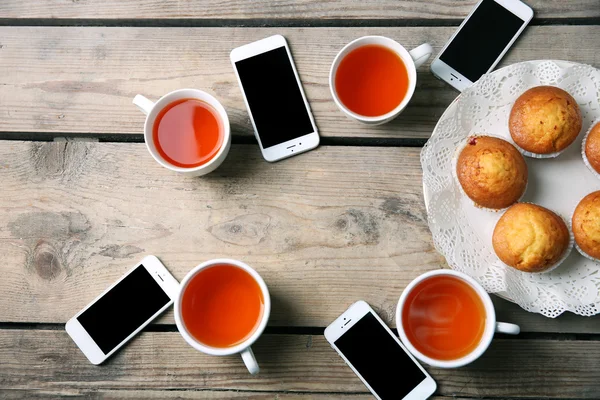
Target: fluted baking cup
[
  {"x": 579, "y": 249},
  {"x": 583, "y": 155},
  {"x": 586, "y": 255},
  {"x": 564, "y": 256},
  {"x": 537, "y": 155}
]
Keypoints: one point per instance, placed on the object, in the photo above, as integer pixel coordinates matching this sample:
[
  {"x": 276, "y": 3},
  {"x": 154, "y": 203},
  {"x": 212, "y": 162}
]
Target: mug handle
[
  {"x": 143, "y": 103},
  {"x": 509, "y": 329},
  {"x": 421, "y": 53},
  {"x": 250, "y": 361}
]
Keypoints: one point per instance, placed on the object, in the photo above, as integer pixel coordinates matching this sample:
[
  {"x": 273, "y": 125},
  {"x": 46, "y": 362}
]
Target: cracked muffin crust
[{"x": 544, "y": 120}]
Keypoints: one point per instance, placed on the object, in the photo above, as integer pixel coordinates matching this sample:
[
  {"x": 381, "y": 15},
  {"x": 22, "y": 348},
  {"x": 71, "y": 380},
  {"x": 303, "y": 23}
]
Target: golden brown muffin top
[
  {"x": 586, "y": 224},
  {"x": 545, "y": 119},
  {"x": 592, "y": 147},
  {"x": 492, "y": 172},
  {"x": 530, "y": 238}
]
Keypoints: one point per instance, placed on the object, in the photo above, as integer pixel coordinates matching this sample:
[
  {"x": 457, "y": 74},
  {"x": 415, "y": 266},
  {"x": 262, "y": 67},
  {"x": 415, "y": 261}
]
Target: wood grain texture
[
  {"x": 82, "y": 80},
  {"x": 48, "y": 360},
  {"x": 324, "y": 229},
  {"x": 287, "y": 9},
  {"x": 191, "y": 393}
]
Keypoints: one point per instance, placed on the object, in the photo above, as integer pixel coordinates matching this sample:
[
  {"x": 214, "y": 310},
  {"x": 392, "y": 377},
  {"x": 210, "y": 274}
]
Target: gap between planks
[
  {"x": 236, "y": 139},
  {"x": 269, "y": 22},
  {"x": 308, "y": 331}
]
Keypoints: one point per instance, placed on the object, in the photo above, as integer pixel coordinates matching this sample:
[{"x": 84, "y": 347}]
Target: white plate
[{"x": 462, "y": 232}]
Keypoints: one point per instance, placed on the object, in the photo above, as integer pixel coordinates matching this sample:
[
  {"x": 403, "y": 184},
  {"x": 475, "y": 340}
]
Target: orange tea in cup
[
  {"x": 188, "y": 133},
  {"x": 371, "y": 80},
  {"x": 222, "y": 306},
  {"x": 444, "y": 318}
]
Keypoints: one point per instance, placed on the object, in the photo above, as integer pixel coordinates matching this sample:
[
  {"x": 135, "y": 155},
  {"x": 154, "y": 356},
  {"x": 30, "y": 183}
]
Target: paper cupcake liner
[
  {"x": 583, "y": 155},
  {"x": 566, "y": 254},
  {"x": 457, "y": 152},
  {"x": 586, "y": 255},
  {"x": 537, "y": 155},
  {"x": 579, "y": 249}
]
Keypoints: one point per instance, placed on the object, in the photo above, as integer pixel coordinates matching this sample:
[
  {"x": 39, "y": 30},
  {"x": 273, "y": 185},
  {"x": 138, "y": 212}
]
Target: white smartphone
[
  {"x": 376, "y": 355},
  {"x": 481, "y": 41},
  {"x": 118, "y": 314},
  {"x": 281, "y": 117}
]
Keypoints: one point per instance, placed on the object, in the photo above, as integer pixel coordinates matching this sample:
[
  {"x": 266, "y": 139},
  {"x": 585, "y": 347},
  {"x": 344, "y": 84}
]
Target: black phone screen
[
  {"x": 481, "y": 40},
  {"x": 274, "y": 97},
  {"x": 123, "y": 309},
  {"x": 379, "y": 359}
]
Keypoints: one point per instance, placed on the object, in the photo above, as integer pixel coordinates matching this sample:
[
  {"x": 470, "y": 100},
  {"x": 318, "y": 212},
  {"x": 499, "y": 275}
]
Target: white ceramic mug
[
  {"x": 243, "y": 348},
  {"x": 152, "y": 109},
  {"x": 491, "y": 325},
  {"x": 412, "y": 60}
]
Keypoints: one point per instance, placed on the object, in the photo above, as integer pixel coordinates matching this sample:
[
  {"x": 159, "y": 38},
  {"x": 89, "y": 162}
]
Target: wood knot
[
  {"x": 235, "y": 228},
  {"x": 243, "y": 230},
  {"x": 341, "y": 224},
  {"x": 45, "y": 261}
]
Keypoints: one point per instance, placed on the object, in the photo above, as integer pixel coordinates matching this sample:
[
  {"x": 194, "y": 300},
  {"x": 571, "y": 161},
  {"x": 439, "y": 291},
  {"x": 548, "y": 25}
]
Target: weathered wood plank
[
  {"x": 264, "y": 9},
  {"x": 191, "y": 393},
  {"x": 324, "y": 229},
  {"x": 73, "y": 80},
  {"x": 48, "y": 360},
  {"x": 75, "y": 216}
]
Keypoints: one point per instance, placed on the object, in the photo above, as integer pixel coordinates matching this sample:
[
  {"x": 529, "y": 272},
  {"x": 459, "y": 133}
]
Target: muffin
[
  {"x": 531, "y": 238},
  {"x": 491, "y": 172},
  {"x": 544, "y": 120},
  {"x": 592, "y": 147},
  {"x": 586, "y": 225}
]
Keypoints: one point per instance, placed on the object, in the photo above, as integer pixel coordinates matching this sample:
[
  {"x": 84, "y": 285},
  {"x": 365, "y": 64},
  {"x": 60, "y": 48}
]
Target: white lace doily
[{"x": 463, "y": 233}]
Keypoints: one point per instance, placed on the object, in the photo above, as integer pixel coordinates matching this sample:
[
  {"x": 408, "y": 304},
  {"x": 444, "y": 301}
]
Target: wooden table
[{"x": 81, "y": 199}]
